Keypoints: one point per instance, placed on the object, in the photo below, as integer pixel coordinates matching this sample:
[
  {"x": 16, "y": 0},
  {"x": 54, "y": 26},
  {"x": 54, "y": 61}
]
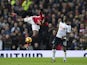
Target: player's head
[
  {"x": 59, "y": 19},
  {"x": 64, "y": 19}
]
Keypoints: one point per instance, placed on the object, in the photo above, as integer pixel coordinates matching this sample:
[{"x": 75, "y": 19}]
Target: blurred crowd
[{"x": 13, "y": 33}]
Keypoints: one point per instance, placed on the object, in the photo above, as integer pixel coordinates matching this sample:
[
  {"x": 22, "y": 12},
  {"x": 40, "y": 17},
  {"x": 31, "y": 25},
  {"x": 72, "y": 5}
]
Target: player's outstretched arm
[
  {"x": 20, "y": 19},
  {"x": 26, "y": 19}
]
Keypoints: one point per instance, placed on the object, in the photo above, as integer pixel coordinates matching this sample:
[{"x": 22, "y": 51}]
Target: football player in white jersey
[{"x": 61, "y": 38}]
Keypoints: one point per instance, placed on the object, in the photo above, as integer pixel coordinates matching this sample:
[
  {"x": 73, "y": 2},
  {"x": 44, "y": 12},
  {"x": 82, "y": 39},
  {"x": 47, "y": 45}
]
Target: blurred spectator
[
  {"x": 75, "y": 44},
  {"x": 7, "y": 42},
  {"x": 52, "y": 36},
  {"x": 36, "y": 46},
  {"x": 28, "y": 47},
  {"x": 7, "y": 29},
  {"x": 86, "y": 31},
  {"x": 15, "y": 27},
  {"x": 82, "y": 44},
  {"x": 25, "y": 32},
  {"x": 15, "y": 39},
  {"x": 82, "y": 29}
]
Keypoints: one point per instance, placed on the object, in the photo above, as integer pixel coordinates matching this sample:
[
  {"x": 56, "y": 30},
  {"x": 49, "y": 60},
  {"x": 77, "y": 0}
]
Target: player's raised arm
[
  {"x": 20, "y": 19},
  {"x": 26, "y": 19}
]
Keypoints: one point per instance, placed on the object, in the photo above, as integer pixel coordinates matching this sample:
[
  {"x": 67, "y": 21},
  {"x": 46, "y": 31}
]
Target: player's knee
[
  {"x": 53, "y": 47},
  {"x": 64, "y": 49}
]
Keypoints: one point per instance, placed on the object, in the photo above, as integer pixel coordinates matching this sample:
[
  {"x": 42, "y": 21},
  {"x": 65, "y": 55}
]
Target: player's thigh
[
  {"x": 57, "y": 41},
  {"x": 35, "y": 29},
  {"x": 35, "y": 33}
]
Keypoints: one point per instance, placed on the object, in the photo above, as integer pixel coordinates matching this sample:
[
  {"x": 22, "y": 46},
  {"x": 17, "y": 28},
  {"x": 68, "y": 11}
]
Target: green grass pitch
[{"x": 42, "y": 61}]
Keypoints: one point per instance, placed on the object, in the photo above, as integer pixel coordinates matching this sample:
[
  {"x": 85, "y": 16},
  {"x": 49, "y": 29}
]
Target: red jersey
[{"x": 38, "y": 18}]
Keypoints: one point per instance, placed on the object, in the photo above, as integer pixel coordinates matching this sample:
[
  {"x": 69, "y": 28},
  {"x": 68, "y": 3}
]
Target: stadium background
[{"x": 13, "y": 33}]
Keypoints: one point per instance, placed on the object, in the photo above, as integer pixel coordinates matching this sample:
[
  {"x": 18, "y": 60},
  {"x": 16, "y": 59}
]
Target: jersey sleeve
[{"x": 26, "y": 19}]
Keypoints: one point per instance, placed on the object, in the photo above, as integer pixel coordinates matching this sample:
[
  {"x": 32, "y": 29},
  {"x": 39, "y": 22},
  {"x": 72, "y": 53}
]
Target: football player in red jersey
[{"x": 35, "y": 21}]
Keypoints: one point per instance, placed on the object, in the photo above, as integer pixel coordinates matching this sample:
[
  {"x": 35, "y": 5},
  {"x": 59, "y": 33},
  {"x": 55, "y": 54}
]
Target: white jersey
[{"x": 63, "y": 30}]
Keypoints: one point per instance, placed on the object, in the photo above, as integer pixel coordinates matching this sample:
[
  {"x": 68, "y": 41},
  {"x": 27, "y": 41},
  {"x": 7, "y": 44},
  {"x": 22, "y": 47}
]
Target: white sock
[
  {"x": 64, "y": 55},
  {"x": 53, "y": 54}
]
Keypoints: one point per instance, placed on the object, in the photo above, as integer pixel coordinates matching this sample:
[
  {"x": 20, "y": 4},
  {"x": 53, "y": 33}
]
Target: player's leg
[
  {"x": 64, "y": 49},
  {"x": 55, "y": 41},
  {"x": 53, "y": 53},
  {"x": 35, "y": 29},
  {"x": 35, "y": 33}
]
